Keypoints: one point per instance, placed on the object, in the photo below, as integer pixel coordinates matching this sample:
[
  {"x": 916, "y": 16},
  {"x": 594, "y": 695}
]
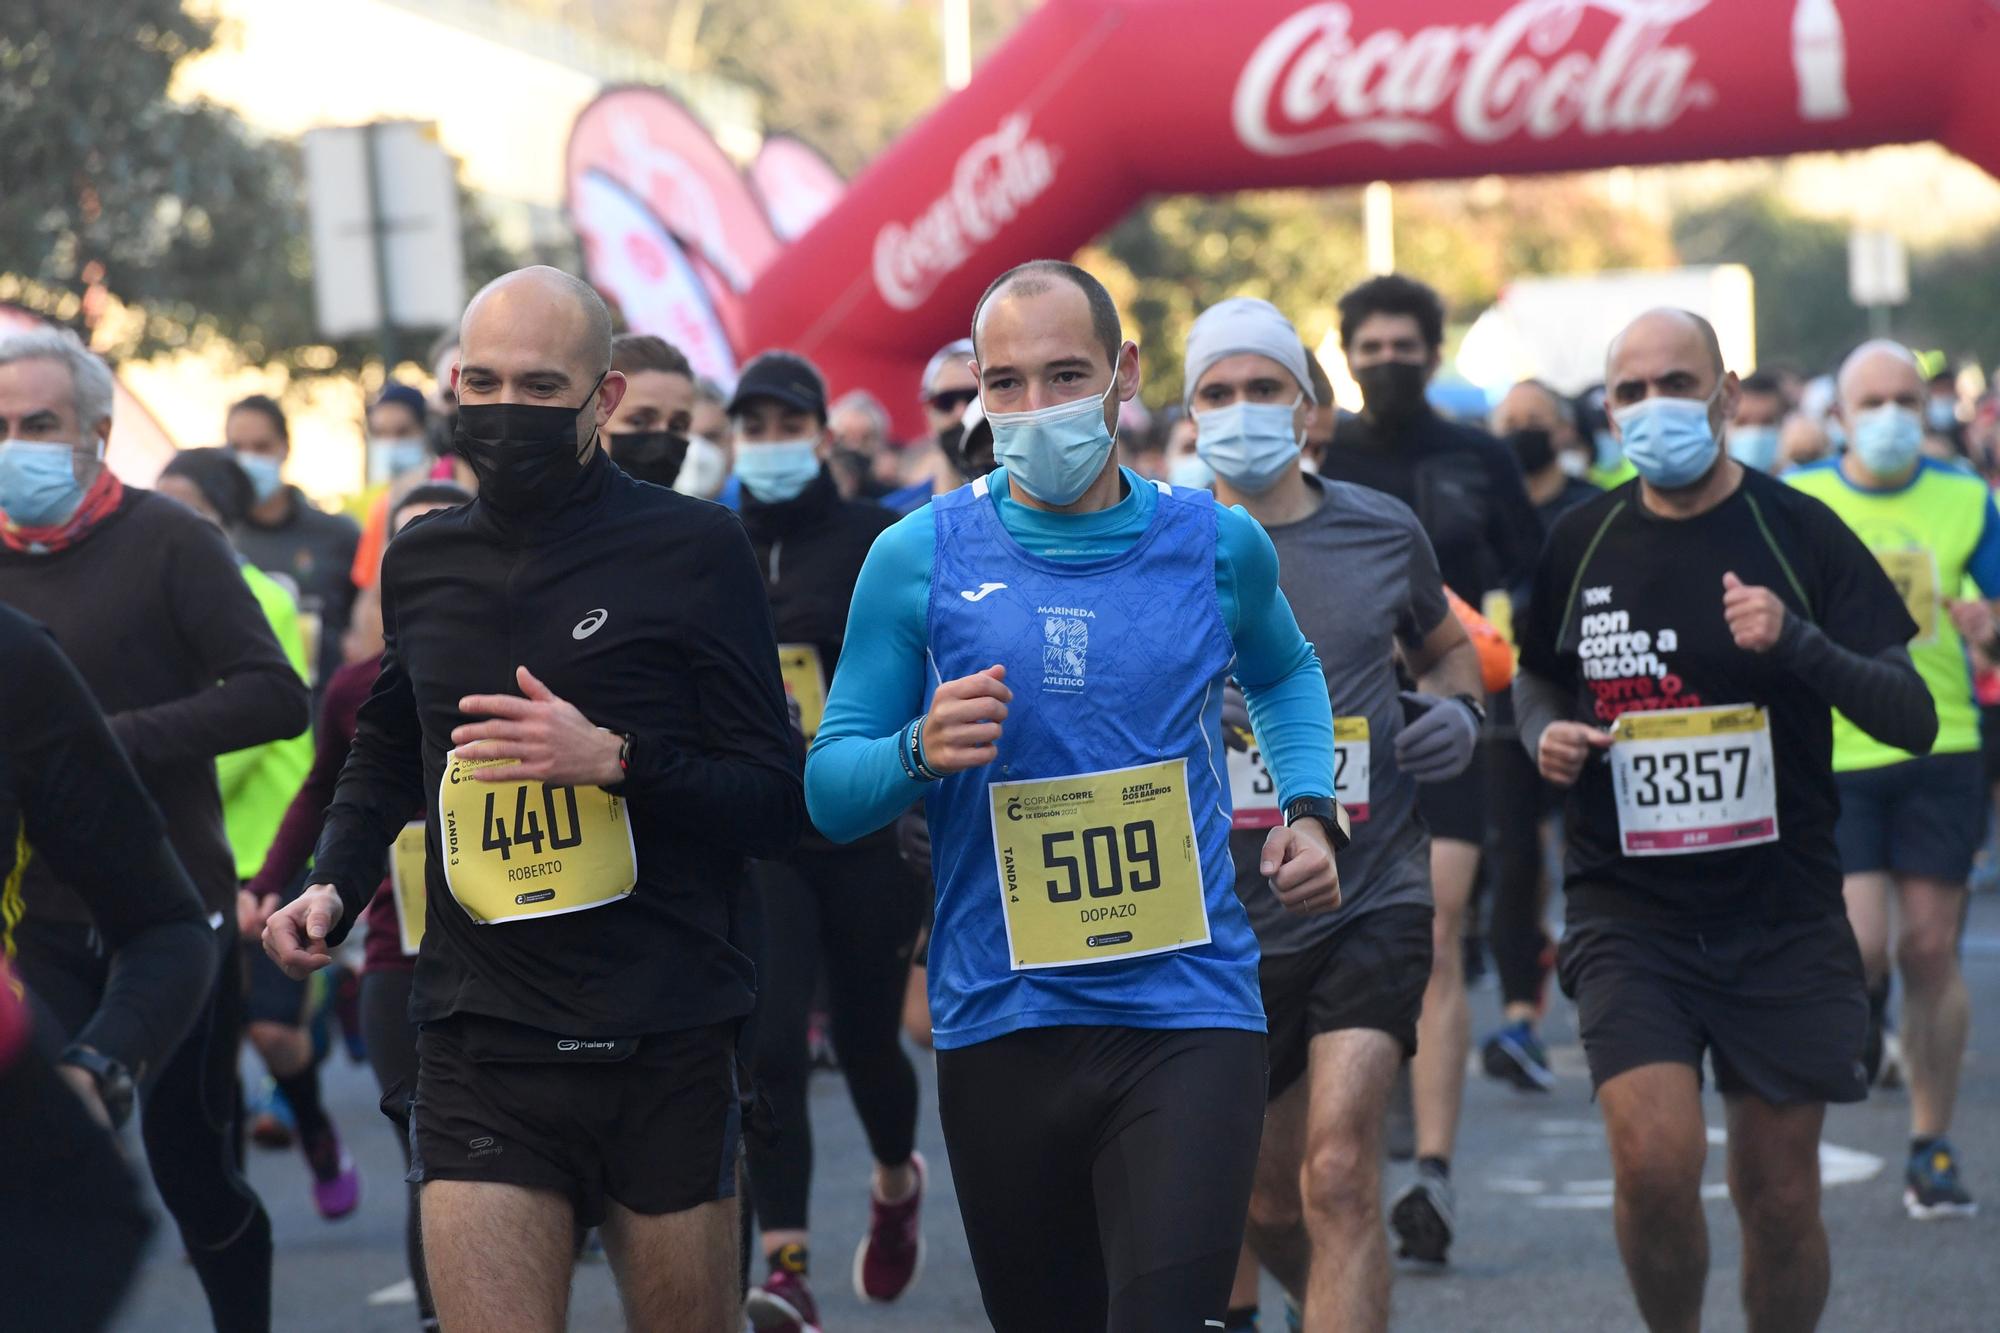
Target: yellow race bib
[
  {"x": 526, "y": 849},
  {"x": 1914, "y": 572},
  {"x": 1098, "y": 866},
  {"x": 406, "y": 886},
  {"x": 805, "y": 681}
]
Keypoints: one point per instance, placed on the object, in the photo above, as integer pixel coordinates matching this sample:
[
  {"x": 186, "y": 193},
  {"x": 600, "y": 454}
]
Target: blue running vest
[{"x": 1115, "y": 663}]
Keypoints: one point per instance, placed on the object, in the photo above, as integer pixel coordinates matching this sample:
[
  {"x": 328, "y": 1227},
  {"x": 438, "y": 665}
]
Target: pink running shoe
[
  {"x": 891, "y": 1255},
  {"x": 783, "y": 1304},
  {"x": 336, "y": 1183}
]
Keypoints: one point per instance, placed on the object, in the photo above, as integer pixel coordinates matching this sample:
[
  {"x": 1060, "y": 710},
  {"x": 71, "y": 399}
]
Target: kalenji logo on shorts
[
  {"x": 1314, "y": 83},
  {"x": 995, "y": 179}
]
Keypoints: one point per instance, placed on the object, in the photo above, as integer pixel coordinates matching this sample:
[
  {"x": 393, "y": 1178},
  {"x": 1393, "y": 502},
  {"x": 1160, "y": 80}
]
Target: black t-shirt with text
[{"x": 1626, "y": 613}]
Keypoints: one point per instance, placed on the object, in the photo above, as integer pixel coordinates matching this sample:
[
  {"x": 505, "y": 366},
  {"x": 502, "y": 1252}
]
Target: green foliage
[{"x": 1799, "y": 267}]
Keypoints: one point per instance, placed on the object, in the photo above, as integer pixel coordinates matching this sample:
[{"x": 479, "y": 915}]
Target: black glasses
[{"x": 951, "y": 400}]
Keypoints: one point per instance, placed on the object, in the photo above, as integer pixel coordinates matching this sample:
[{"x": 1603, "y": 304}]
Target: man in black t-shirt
[
  {"x": 1685, "y": 642},
  {"x": 1466, "y": 490}
]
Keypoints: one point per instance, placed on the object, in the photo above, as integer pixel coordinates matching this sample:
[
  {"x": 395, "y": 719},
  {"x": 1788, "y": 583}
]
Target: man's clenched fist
[{"x": 962, "y": 730}]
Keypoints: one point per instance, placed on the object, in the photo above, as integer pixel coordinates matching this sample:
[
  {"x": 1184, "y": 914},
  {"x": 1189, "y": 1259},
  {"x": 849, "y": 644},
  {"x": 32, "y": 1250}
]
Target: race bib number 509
[
  {"x": 525, "y": 849},
  {"x": 1694, "y": 780},
  {"x": 1098, "y": 866}
]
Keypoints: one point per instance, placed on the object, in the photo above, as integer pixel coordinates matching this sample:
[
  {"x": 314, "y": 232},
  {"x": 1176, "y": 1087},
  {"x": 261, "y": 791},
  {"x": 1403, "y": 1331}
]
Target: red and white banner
[
  {"x": 795, "y": 184},
  {"x": 634, "y": 260},
  {"x": 1093, "y": 104}
]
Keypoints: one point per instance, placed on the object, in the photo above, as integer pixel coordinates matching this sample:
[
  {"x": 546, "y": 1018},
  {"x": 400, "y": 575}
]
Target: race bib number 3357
[
  {"x": 1098, "y": 866},
  {"x": 1694, "y": 780},
  {"x": 524, "y": 849}
]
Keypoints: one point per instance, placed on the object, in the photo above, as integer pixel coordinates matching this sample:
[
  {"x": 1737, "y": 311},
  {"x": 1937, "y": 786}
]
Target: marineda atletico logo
[{"x": 1315, "y": 83}]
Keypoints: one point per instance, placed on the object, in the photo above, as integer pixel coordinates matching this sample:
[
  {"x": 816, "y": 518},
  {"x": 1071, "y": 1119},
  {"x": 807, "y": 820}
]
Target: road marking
[
  {"x": 399, "y": 1293},
  {"x": 1555, "y": 1140}
]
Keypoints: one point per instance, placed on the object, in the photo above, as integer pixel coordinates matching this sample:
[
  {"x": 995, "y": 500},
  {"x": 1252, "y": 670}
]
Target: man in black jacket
[
  {"x": 851, "y": 911},
  {"x": 579, "y": 987}
]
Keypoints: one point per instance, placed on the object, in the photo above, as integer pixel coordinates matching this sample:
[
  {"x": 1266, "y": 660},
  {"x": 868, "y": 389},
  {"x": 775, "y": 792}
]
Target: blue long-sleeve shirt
[{"x": 855, "y": 780}]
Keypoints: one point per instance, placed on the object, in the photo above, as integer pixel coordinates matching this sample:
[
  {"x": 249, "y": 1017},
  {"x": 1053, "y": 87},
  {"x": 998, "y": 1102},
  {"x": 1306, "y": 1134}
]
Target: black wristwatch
[
  {"x": 1475, "y": 703},
  {"x": 1328, "y": 812},
  {"x": 114, "y": 1081}
]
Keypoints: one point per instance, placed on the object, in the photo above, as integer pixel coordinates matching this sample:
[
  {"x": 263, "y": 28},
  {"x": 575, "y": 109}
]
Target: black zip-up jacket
[
  {"x": 69, "y": 797},
  {"x": 811, "y": 548},
  {"x": 643, "y": 608}
]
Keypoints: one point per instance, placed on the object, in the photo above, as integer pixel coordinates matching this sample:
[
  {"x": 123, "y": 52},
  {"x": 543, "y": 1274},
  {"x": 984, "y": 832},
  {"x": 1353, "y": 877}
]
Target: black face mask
[
  {"x": 1393, "y": 390},
  {"x": 650, "y": 455},
  {"x": 524, "y": 455},
  {"x": 1533, "y": 449}
]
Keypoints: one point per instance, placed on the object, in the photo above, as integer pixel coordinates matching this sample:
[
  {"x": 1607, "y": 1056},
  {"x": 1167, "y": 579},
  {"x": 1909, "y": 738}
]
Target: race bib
[
  {"x": 1914, "y": 572},
  {"x": 406, "y": 886},
  {"x": 525, "y": 849},
  {"x": 1694, "y": 780},
  {"x": 1098, "y": 866},
  {"x": 805, "y": 681},
  {"x": 1253, "y": 791}
]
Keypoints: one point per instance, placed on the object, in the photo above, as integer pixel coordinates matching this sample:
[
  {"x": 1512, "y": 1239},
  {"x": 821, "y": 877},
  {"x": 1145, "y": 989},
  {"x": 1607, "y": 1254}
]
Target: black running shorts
[
  {"x": 1456, "y": 808},
  {"x": 1780, "y": 1007},
  {"x": 1371, "y": 972},
  {"x": 651, "y": 1122}
]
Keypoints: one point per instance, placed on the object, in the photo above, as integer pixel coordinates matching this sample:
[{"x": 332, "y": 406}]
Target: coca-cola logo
[
  {"x": 996, "y": 177},
  {"x": 1313, "y": 83}
]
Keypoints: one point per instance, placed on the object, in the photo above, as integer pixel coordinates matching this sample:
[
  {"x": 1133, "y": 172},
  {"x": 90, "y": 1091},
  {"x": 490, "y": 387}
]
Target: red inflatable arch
[{"x": 1093, "y": 104}]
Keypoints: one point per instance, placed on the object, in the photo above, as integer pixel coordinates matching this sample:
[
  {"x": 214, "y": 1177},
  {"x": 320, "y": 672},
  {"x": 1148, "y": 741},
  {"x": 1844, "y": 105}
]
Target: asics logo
[
  {"x": 985, "y": 590},
  {"x": 590, "y": 624}
]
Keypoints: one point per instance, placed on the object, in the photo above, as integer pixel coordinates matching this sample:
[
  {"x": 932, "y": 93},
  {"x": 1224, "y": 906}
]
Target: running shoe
[
  {"x": 783, "y": 1304},
  {"x": 1515, "y": 1055},
  {"x": 891, "y": 1255},
  {"x": 1931, "y": 1187},
  {"x": 272, "y": 1126},
  {"x": 1422, "y": 1219},
  {"x": 336, "y": 1183}
]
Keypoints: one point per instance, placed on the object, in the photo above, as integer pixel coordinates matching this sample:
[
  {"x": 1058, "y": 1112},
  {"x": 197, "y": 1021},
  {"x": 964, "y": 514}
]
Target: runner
[
  {"x": 70, "y": 1211},
  {"x": 849, "y": 914},
  {"x": 1466, "y": 491},
  {"x": 285, "y": 1020},
  {"x": 577, "y": 984},
  {"x": 286, "y": 535},
  {"x": 1539, "y": 426},
  {"x": 395, "y": 922},
  {"x": 1686, "y": 641},
  {"x": 1914, "y": 824},
  {"x": 648, "y": 434},
  {"x": 1044, "y": 653},
  {"x": 1341, "y": 990},
  {"x": 147, "y": 602}
]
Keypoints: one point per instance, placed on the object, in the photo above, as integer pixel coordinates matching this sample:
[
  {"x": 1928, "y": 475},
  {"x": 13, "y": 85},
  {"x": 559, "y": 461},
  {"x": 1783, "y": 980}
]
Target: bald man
[
  {"x": 1687, "y": 638},
  {"x": 581, "y": 684},
  {"x": 1911, "y": 824}
]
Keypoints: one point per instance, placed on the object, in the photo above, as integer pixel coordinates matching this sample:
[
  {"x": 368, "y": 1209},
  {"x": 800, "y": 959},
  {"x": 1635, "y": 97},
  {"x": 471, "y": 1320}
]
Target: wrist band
[{"x": 912, "y": 754}]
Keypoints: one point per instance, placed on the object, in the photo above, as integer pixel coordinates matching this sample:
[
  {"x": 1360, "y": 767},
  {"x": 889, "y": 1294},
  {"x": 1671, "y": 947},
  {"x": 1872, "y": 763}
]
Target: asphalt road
[{"x": 1535, "y": 1250}]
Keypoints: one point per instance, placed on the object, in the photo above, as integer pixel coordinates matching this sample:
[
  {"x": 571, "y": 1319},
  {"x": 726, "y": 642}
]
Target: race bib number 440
[
  {"x": 1098, "y": 866},
  {"x": 1694, "y": 780},
  {"x": 524, "y": 849},
  {"x": 1253, "y": 792}
]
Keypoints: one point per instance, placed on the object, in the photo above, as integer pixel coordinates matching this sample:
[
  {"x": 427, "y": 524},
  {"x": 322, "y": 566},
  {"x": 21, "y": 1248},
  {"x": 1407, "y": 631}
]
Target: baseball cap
[{"x": 784, "y": 377}]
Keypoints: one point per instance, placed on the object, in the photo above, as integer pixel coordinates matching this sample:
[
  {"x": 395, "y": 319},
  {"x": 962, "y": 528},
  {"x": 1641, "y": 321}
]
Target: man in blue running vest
[{"x": 1041, "y": 655}]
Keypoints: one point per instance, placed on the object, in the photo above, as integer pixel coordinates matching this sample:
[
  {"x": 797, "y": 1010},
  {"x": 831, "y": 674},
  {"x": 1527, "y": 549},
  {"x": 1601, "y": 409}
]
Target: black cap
[{"x": 783, "y": 377}]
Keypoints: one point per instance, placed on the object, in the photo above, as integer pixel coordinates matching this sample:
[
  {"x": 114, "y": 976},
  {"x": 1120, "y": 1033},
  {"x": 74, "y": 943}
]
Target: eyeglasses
[{"x": 952, "y": 399}]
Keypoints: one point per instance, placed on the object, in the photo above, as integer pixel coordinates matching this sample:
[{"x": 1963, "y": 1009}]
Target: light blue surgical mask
[
  {"x": 778, "y": 471},
  {"x": 1250, "y": 445},
  {"x": 38, "y": 485},
  {"x": 266, "y": 474},
  {"x": 1886, "y": 439},
  {"x": 1191, "y": 472},
  {"x": 1609, "y": 455},
  {"x": 1669, "y": 440},
  {"x": 1754, "y": 446},
  {"x": 1941, "y": 413},
  {"x": 1054, "y": 453},
  {"x": 389, "y": 457},
  {"x": 1836, "y": 434}
]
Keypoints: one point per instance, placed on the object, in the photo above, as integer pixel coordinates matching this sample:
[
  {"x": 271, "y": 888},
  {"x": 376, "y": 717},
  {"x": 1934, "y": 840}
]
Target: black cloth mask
[
  {"x": 1533, "y": 449},
  {"x": 650, "y": 455},
  {"x": 1393, "y": 390},
  {"x": 525, "y": 454}
]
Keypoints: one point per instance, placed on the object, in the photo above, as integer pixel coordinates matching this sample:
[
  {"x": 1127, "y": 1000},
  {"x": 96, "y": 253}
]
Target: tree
[{"x": 1798, "y": 265}]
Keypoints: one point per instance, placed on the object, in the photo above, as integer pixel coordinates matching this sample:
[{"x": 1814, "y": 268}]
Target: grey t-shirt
[{"x": 1360, "y": 575}]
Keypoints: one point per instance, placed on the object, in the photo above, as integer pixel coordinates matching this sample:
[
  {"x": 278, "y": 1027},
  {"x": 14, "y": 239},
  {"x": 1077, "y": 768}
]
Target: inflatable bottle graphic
[{"x": 1819, "y": 59}]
